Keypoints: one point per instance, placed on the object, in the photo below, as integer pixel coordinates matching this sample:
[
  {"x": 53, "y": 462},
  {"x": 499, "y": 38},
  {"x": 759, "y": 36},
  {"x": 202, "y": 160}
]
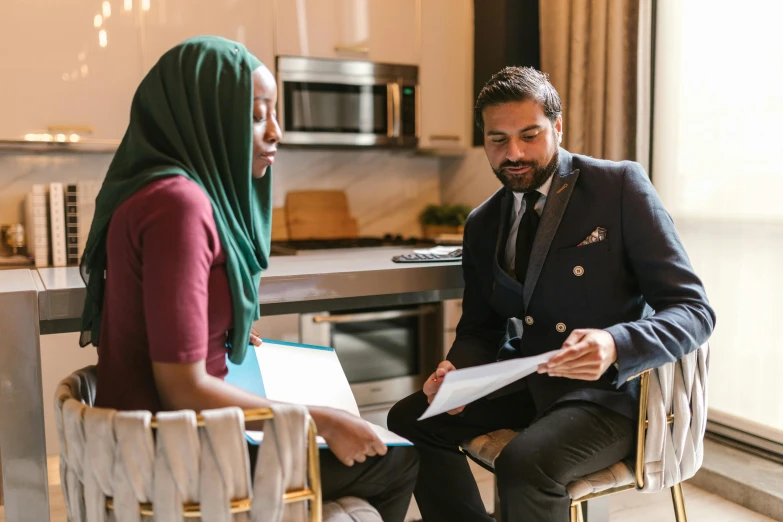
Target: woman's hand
[
  {"x": 350, "y": 438},
  {"x": 255, "y": 337}
]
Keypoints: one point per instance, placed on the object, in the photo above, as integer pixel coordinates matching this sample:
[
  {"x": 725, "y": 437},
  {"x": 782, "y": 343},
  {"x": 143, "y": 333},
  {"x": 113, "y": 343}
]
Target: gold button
[
  {"x": 578, "y": 271},
  {"x": 560, "y": 327},
  {"x": 528, "y": 320}
]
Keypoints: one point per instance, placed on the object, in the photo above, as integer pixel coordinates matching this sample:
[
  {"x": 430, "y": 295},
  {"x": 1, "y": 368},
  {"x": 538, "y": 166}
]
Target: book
[
  {"x": 37, "y": 225},
  {"x": 72, "y": 224},
  {"x": 57, "y": 224},
  {"x": 299, "y": 374}
]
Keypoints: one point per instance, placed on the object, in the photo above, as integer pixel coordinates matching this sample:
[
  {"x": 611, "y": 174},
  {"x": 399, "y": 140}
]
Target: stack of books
[{"x": 57, "y": 222}]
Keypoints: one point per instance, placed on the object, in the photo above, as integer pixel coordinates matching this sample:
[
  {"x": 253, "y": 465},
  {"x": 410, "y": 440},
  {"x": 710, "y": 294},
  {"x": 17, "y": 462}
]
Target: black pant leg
[
  {"x": 385, "y": 482},
  {"x": 446, "y": 490},
  {"x": 569, "y": 441}
]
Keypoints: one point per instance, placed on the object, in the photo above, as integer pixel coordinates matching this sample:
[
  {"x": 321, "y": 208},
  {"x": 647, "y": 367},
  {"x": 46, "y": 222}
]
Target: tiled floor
[{"x": 630, "y": 506}]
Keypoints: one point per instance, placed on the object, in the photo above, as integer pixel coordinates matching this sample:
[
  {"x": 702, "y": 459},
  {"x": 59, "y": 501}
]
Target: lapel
[{"x": 556, "y": 202}]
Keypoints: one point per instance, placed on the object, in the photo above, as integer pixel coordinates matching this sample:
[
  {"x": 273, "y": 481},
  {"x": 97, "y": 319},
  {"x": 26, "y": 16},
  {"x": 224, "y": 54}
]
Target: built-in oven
[
  {"x": 347, "y": 102},
  {"x": 386, "y": 353}
]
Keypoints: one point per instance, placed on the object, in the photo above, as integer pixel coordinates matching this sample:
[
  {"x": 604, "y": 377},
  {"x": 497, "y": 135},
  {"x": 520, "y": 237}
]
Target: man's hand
[
  {"x": 434, "y": 381},
  {"x": 585, "y": 355},
  {"x": 255, "y": 337},
  {"x": 349, "y": 437}
]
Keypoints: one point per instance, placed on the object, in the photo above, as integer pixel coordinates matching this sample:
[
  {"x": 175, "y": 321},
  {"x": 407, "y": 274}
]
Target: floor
[{"x": 630, "y": 506}]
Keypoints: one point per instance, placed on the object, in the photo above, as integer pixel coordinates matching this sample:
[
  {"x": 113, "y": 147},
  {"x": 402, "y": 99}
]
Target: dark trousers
[
  {"x": 385, "y": 482},
  {"x": 570, "y": 440}
]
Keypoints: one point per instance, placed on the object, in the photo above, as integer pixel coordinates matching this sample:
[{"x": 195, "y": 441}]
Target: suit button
[
  {"x": 528, "y": 320},
  {"x": 578, "y": 271},
  {"x": 560, "y": 327}
]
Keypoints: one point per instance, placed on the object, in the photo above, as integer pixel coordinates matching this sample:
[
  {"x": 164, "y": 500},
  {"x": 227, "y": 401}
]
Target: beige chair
[
  {"x": 669, "y": 450},
  {"x": 133, "y": 466}
]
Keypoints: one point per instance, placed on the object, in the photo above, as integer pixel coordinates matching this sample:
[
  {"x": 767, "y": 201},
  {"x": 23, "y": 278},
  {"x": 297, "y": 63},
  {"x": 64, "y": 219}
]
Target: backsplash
[
  {"x": 467, "y": 179},
  {"x": 386, "y": 189}
]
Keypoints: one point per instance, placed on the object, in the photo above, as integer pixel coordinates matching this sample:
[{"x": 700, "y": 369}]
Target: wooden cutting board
[
  {"x": 279, "y": 225},
  {"x": 319, "y": 214}
]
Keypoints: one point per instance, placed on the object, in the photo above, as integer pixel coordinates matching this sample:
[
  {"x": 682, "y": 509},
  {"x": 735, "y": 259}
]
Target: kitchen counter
[
  {"x": 313, "y": 281},
  {"x": 49, "y": 300}
]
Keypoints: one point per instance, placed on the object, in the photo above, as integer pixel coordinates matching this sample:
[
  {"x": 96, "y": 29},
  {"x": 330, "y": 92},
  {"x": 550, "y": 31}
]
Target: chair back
[
  {"x": 113, "y": 468},
  {"x": 672, "y": 422}
]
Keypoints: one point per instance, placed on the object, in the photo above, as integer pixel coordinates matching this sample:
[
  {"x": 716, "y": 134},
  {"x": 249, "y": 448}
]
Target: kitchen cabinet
[
  {"x": 69, "y": 68},
  {"x": 168, "y": 22},
  {"x": 375, "y": 30},
  {"x": 446, "y": 75}
]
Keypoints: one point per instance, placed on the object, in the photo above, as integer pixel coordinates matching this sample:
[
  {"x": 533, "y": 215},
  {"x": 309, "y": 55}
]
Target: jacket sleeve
[
  {"x": 683, "y": 319},
  {"x": 480, "y": 329}
]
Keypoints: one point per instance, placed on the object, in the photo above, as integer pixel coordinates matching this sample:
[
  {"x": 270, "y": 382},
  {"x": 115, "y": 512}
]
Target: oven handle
[{"x": 375, "y": 316}]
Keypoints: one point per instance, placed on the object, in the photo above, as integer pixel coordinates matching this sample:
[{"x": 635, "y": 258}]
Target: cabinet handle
[
  {"x": 375, "y": 316},
  {"x": 445, "y": 137},
  {"x": 80, "y": 129},
  {"x": 362, "y": 49}
]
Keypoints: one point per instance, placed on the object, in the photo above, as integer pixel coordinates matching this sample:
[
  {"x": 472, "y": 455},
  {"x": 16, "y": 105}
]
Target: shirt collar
[{"x": 543, "y": 189}]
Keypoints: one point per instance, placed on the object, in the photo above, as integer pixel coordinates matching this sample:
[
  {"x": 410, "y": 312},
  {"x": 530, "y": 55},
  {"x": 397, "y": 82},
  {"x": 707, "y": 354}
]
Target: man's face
[{"x": 521, "y": 143}]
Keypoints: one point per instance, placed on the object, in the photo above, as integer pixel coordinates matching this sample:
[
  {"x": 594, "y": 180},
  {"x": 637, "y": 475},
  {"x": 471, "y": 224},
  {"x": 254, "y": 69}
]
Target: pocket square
[{"x": 599, "y": 234}]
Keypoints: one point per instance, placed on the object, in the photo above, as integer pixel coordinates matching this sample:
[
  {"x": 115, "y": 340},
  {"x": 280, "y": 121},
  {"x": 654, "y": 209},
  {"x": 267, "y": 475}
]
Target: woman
[{"x": 181, "y": 232}]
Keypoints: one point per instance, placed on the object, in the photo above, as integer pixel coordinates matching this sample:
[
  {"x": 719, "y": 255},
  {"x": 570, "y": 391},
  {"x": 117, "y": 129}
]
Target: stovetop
[{"x": 283, "y": 248}]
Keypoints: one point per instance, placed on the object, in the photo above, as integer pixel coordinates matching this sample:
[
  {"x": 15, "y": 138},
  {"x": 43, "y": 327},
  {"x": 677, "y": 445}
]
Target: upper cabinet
[
  {"x": 169, "y": 22},
  {"x": 446, "y": 75},
  {"x": 376, "y": 30},
  {"x": 69, "y": 68}
]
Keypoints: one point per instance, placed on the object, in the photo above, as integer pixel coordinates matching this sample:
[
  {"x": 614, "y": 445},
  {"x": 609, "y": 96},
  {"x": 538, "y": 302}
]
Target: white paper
[
  {"x": 461, "y": 387},
  {"x": 304, "y": 376},
  {"x": 311, "y": 376}
]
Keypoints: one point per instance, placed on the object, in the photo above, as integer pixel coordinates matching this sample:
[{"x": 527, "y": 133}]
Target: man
[{"x": 575, "y": 254}]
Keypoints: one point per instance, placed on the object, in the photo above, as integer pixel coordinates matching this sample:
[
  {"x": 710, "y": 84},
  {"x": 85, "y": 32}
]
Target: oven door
[{"x": 381, "y": 351}]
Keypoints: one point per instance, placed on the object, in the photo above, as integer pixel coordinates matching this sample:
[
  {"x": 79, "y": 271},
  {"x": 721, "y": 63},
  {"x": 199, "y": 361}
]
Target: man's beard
[{"x": 532, "y": 180}]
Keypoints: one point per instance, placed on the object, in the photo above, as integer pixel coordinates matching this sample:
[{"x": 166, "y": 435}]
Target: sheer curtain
[
  {"x": 590, "y": 50},
  {"x": 717, "y": 140}
]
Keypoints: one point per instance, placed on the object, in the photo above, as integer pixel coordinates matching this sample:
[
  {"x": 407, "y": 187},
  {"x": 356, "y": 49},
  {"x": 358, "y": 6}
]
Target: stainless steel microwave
[{"x": 347, "y": 102}]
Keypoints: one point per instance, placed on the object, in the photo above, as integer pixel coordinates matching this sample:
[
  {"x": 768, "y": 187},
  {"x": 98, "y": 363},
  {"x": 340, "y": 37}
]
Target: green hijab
[{"x": 192, "y": 116}]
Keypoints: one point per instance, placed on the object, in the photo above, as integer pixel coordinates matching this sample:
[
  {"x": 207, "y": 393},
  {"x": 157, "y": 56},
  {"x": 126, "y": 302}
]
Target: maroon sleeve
[{"x": 178, "y": 243}]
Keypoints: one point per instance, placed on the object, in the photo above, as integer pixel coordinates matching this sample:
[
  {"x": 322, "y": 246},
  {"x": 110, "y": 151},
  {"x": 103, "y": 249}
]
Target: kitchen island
[{"x": 49, "y": 300}]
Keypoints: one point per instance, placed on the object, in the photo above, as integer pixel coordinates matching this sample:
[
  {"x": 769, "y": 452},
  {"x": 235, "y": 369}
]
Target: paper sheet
[
  {"x": 461, "y": 387},
  {"x": 300, "y": 374},
  {"x": 387, "y": 437}
]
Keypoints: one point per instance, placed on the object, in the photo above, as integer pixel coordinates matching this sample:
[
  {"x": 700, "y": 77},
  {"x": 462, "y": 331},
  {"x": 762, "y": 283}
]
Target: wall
[
  {"x": 386, "y": 189},
  {"x": 467, "y": 179}
]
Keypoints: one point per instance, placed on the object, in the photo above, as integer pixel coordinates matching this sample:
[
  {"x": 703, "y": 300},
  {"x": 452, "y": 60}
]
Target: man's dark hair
[{"x": 514, "y": 84}]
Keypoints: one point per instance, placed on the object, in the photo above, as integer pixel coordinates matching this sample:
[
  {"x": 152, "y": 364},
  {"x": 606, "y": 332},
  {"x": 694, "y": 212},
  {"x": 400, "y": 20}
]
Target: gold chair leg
[
  {"x": 679, "y": 503},
  {"x": 576, "y": 513}
]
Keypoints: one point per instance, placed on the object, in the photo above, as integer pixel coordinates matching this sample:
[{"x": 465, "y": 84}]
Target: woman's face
[{"x": 266, "y": 131}]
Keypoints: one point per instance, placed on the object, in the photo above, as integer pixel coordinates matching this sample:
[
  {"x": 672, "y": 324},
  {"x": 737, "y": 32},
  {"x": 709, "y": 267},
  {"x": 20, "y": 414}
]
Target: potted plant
[{"x": 443, "y": 219}]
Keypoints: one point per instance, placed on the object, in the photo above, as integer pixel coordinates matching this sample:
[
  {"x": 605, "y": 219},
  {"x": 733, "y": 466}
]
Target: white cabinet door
[
  {"x": 377, "y": 30},
  {"x": 67, "y": 68},
  {"x": 446, "y": 74},
  {"x": 168, "y": 22}
]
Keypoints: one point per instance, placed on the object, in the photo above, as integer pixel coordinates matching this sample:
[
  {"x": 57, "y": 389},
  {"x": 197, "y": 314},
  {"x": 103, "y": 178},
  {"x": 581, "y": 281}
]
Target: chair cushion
[
  {"x": 350, "y": 509},
  {"x": 486, "y": 448}
]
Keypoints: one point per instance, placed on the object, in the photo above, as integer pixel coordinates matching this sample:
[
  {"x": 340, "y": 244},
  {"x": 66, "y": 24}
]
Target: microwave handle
[
  {"x": 393, "y": 110},
  {"x": 375, "y": 316}
]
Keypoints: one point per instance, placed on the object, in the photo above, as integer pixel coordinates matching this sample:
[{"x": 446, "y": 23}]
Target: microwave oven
[{"x": 330, "y": 102}]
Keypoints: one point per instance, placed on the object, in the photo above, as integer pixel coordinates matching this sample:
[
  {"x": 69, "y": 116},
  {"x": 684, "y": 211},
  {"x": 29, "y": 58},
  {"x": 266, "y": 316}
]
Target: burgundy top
[{"x": 167, "y": 296}]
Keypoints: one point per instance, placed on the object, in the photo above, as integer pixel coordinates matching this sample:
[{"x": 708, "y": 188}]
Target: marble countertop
[{"x": 317, "y": 280}]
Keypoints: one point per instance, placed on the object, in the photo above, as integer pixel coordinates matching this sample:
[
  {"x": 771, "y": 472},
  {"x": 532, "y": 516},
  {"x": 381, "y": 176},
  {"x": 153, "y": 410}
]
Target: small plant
[{"x": 444, "y": 215}]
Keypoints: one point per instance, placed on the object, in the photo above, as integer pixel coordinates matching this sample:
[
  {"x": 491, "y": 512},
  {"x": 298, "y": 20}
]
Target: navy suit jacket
[{"x": 638, "y": 284}]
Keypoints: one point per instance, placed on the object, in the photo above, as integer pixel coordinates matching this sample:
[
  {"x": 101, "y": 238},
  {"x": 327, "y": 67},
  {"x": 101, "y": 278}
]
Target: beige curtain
[{"x": 589, "y": 48}]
